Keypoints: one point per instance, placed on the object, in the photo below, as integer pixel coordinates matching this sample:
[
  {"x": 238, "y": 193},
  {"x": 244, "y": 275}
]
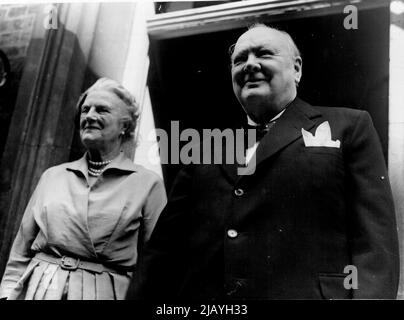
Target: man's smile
[{"x": 253, "y": 80}]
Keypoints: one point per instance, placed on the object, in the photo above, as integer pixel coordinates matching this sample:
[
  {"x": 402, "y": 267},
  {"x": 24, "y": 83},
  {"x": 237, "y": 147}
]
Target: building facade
[{"x": 353, "y": 53}]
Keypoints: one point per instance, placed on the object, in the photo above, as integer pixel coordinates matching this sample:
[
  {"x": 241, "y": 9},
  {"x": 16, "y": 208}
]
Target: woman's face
[{"x": 101, "y": 120}]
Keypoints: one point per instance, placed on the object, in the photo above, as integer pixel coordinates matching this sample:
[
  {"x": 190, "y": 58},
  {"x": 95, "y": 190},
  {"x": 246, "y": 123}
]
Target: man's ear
[{"x": 298, "y": 65}]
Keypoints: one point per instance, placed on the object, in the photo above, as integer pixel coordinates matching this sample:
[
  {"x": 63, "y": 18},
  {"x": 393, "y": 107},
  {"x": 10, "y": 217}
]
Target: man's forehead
[{"x": 259, "y": 37}]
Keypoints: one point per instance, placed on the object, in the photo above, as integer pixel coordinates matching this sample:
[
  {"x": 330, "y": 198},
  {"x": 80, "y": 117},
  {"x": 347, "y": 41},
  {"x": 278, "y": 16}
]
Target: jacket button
[
  {"x": 239, "y": 192},
  {"x": 232, "y": 233}
]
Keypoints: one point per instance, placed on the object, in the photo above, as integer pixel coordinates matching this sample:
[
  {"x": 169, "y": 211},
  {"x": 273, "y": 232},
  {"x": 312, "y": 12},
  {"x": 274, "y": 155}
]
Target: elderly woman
[{"x": 81, "y": 231}]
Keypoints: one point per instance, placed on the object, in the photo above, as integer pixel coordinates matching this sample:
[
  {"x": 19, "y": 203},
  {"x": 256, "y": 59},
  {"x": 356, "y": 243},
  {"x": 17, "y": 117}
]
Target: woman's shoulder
[
  {"x": 60, "y": 168},
  {"x": 145, "y": 172}
]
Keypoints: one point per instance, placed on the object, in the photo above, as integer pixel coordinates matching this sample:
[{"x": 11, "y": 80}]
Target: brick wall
[{"x": 16, "y": 25}]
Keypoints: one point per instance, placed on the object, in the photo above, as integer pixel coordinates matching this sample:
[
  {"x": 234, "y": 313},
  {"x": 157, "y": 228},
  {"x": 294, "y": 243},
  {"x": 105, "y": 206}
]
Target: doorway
[{"x": 189, "y": 76}]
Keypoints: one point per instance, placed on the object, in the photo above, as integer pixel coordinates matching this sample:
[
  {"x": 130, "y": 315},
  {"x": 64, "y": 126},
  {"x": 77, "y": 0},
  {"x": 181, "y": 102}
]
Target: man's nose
[{"x": 252, "y": 64}]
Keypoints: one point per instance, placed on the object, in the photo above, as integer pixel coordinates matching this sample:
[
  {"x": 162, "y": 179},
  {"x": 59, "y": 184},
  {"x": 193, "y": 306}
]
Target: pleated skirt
[{"x": 47, "y": 281}]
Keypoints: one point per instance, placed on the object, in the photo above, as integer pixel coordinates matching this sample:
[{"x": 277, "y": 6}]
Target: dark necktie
[{"x": 260, "y": 131}]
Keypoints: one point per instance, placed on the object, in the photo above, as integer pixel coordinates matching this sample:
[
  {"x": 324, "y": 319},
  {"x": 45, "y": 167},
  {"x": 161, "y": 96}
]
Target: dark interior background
[{"x": 189, "y": 78}]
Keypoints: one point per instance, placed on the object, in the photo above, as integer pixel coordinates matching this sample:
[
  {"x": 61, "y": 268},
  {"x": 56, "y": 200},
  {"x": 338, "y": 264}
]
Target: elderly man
[{"x": 314, "y": 220}]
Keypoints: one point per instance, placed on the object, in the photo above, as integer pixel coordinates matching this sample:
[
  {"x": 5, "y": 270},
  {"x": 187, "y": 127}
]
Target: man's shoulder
[
  {"x": 347, "y": 111},
  {"x": 331, "y": 110},
  {"x": 347, "y": 115}
]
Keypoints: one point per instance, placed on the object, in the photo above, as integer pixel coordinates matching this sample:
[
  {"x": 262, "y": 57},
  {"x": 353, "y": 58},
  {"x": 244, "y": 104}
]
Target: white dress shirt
[{"x": 251, "y": 150}]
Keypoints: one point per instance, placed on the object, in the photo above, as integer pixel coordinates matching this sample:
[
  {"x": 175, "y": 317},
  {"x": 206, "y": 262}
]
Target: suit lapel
[{"x": 287, "y": 129}]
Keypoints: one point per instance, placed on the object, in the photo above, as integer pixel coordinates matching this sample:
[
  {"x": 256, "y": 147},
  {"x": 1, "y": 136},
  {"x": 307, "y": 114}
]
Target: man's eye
[
  {"x": 84, "y": 109},
  {"x": 238, "y": 60},
  {"x": 265, "y": 53}
]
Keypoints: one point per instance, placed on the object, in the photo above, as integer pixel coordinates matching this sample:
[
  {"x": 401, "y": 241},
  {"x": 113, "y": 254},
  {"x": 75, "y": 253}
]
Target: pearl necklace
[
  {"x": 103, "y": 163},
  {"x": 96, "y": 172}
]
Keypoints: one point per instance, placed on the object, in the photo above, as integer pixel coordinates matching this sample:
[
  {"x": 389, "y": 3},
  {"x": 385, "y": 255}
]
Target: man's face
[{"x": 264, "y": 71}]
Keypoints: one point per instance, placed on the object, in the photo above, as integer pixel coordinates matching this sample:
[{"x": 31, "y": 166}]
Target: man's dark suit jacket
[{"x": 288, "y": 230}]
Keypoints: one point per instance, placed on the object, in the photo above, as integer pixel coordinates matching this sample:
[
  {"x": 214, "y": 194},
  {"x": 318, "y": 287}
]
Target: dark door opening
[{"x": 189, "y": 77}]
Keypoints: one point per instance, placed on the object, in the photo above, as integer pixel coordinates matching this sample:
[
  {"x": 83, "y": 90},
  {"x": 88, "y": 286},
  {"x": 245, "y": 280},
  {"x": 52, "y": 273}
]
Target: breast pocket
[
  {"x": 323, "y": 150},
  {"x": 323, "y": 165},
  {"x": 332, "y": 286}
]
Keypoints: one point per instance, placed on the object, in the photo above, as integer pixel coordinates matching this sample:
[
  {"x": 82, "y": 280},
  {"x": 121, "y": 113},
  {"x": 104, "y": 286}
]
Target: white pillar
[
  {"x": 396, "y": 121},
  {"x": 135, "y": 79},
  {"x": 119, "y": 50}
]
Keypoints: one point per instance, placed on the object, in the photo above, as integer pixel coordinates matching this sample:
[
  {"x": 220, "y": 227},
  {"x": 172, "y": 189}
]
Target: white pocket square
[{"x": 322, "y": 137}]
